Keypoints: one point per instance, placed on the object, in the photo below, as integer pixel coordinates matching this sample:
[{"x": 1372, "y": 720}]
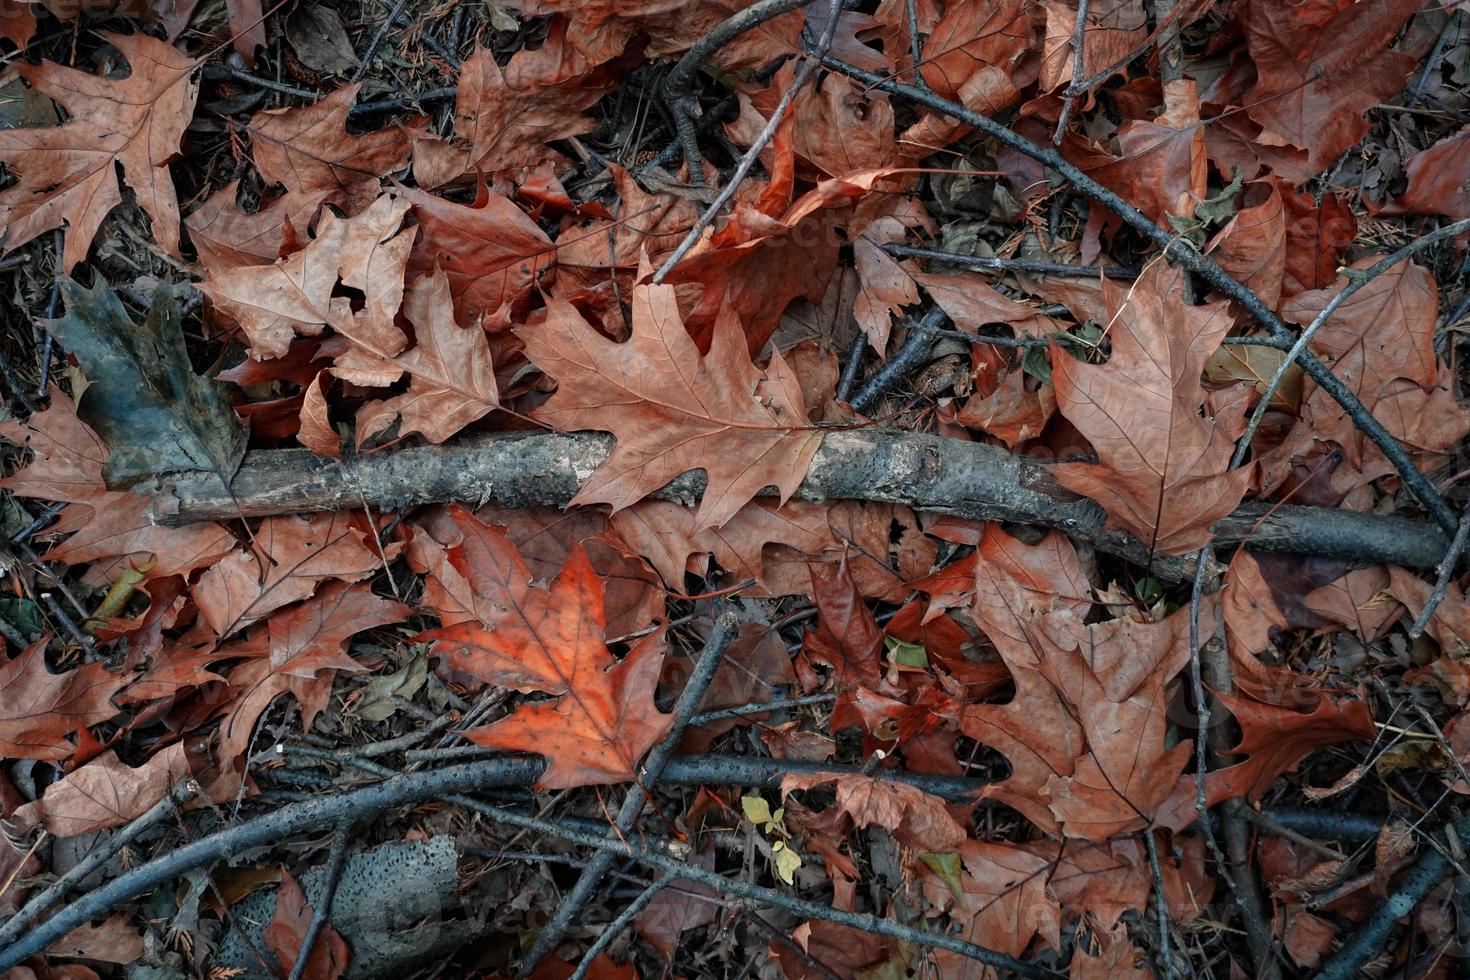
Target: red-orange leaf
[
  {"x": 287, "y": 931},
  {"x": 550, "y": 638}
]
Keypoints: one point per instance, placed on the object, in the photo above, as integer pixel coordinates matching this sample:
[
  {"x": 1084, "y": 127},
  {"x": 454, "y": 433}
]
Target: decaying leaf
[{"x": 144, "y": 399}]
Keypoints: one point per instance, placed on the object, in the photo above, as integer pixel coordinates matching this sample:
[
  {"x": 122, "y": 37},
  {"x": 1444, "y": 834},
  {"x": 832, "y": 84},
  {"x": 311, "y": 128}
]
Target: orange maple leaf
[{"x": 550, "y": 639}]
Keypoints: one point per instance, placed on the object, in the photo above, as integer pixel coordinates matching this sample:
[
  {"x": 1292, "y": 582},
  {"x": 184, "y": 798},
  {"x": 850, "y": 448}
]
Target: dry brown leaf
[
  {"x": 68, "y": 173},
  {"x": 1162, "y": 471},
  {"x": 40, "y": 709},
  {"x": 292, "y": 557},
  {"x": 451, "y": 375},
  {"x": 671, "y": 409}
]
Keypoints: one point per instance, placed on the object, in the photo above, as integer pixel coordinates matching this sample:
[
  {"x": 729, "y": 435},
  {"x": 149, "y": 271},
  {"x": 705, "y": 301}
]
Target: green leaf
[
  {"x": 756, "y": 809},
  {"x": 906, "y": 654},
  {"x": 947, "y": 867},
  {"x": 144, "y": 399}
]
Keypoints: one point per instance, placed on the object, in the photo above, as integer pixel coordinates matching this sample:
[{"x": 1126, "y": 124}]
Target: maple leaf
[
  {"x": 452, "y": 378},
  {"x": 39, "y": 709},
  {"x": 295, "y": 295},
  {"x": 1162, "y": 471},
  {"x": 294, "y": 556},
  {"x": 491, "y": 251},
  {"x": 68, "y": 465},
  {"x": 286, "y": 932},
  {"x": 309, "y": 151},
  {"x": 68, "y": 172},
  {"x": 551, "y": 639},
  {"x": 671, "y": 409}
]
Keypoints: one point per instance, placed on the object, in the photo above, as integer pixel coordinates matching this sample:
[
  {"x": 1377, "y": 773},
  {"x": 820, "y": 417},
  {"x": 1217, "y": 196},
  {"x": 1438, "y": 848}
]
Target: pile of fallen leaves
[{"x": 235, "y": 230}]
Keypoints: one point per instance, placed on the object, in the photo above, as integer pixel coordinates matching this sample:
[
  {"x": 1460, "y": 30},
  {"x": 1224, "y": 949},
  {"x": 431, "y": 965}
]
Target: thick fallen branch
[{"x": 947, "y": 476}]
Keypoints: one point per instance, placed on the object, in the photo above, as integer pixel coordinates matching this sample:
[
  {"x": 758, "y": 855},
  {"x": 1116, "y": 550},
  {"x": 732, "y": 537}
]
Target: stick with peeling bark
[{"x": 929, "y": 473}]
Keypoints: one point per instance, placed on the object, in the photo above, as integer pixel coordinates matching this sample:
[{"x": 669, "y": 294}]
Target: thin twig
[
  {"x": 986, "y": 263},
  {"x": 708, "y": 662},
  {"x": 915, "y": 350},
  {"x": 100, "y": 855},
  {"x": 1357, "y": 279},
  {"x": 1074, "y": 89},
  {"x": 322, "y": 912},
  {"x": 377, "y": 41},
  {"x": 1190, "y": 258},
  {"x": 804, "y": 72},
  {"x": 1412, "y": 888},
  {"x": 1161, "y": 905},
  {"x": 1451, "y": 27},
  {"x": 1445, "y": 573},
  {"x": 678, "y": 84},
  {"x": 1276, "y": 828},
  {"x": 625, "y": 918},
  {"x": 760, "y": 708}
]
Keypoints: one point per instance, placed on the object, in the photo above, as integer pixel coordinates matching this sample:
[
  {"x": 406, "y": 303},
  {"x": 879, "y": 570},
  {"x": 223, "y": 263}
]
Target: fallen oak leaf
[
  {"x": 68, "y": 172},
  {"x": 1163, "y": 471},
  {"x": 38, "y": 709},
  {"x": 294, "y": 556},
  {"x": 107, "y": 792},
  {"x": 274, "y": 303},
  {"x": 671, "y": 409},
  {"x": 452, "y": 376}
]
